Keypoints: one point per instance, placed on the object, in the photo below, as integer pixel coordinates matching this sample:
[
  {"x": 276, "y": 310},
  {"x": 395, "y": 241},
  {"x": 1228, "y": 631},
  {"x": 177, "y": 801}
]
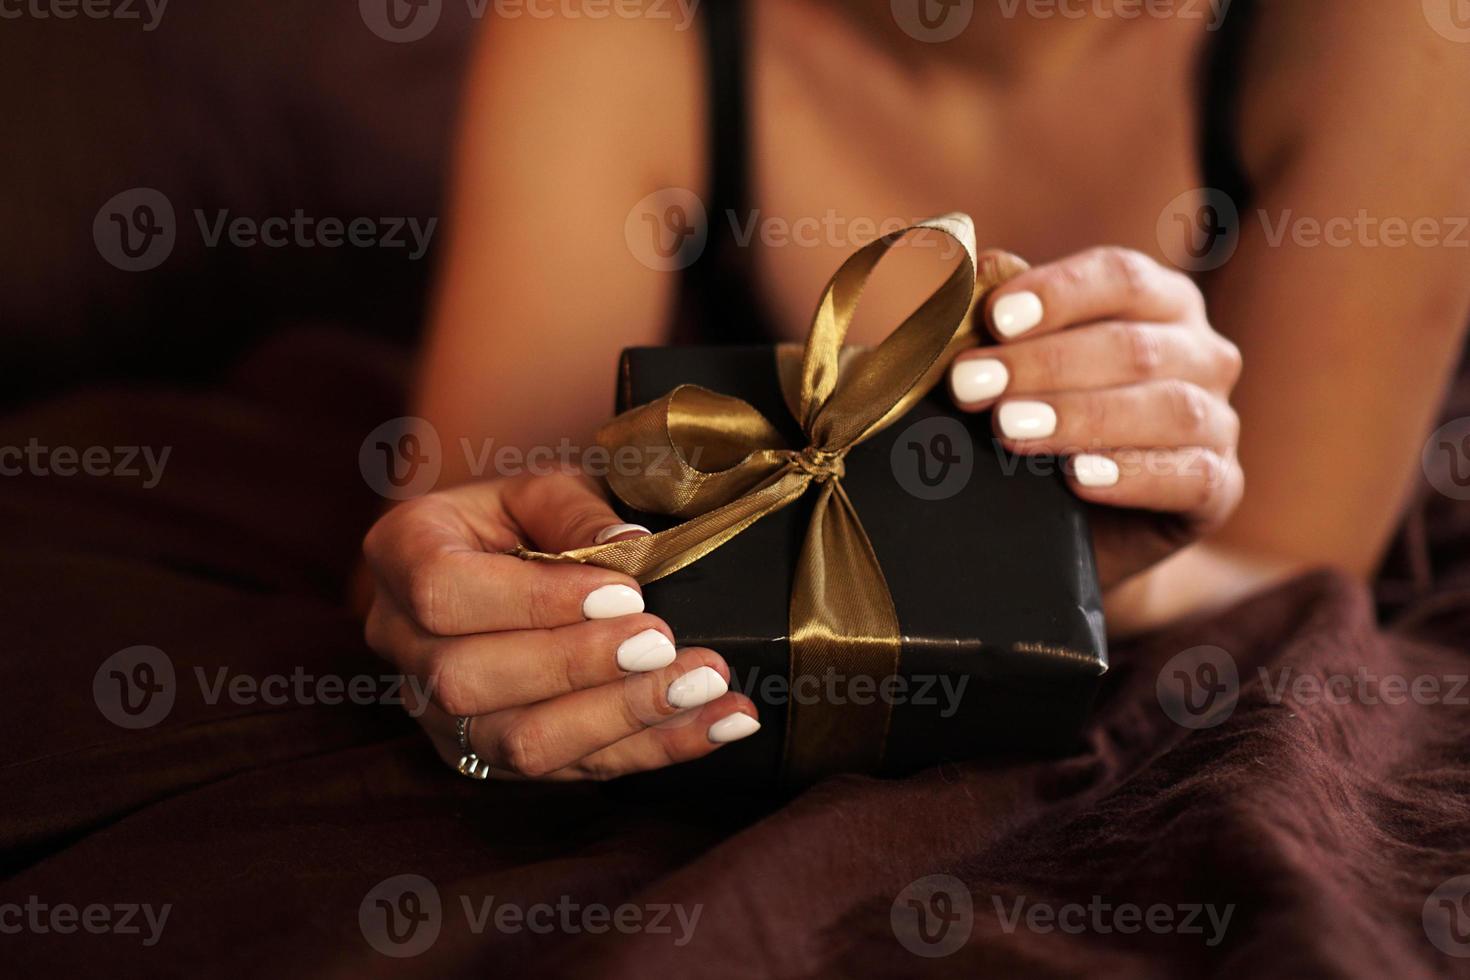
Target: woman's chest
[{"x": 1096, "y": 154}]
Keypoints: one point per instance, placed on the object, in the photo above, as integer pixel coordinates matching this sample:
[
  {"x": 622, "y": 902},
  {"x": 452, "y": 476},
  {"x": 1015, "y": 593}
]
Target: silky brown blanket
[{"x": 1303, "y": 830}]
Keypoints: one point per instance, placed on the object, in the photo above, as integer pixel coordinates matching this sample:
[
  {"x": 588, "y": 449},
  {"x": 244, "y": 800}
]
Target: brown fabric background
[{"x": 258, "y": 108}]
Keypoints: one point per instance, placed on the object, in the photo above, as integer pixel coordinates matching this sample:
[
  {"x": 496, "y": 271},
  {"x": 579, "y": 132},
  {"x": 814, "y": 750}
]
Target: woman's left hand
[{"x": 1109, "y": 359}]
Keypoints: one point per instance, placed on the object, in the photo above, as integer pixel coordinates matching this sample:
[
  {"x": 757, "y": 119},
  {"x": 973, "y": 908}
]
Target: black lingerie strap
[
  {"x": 720, "y": 304},
  {"x": 1219, "y": 143}
]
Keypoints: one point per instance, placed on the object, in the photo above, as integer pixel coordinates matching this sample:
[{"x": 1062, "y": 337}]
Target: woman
[{"x": 1072, "y": 137}]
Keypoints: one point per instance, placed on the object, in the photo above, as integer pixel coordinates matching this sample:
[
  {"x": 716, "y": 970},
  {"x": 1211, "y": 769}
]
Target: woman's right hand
[{"x": 563, "y": 673}]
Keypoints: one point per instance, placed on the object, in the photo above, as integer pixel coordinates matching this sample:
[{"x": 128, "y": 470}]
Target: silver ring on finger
[{"x": 470, "y": 765}]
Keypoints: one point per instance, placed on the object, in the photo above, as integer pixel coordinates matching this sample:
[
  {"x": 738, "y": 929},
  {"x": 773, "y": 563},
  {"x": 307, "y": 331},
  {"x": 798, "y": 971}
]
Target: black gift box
[{"x": 987, "y": 555}]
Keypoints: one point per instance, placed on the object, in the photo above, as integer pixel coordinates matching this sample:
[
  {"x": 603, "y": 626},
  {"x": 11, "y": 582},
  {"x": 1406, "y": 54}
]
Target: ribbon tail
[
  {"x": 655, "y": 556},
  {"x": 843, "y": 623}
]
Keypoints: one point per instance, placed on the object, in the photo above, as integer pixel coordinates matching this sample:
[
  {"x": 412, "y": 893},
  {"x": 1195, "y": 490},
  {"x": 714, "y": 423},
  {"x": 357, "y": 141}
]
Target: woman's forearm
[{"x": 1198, "y": 580}]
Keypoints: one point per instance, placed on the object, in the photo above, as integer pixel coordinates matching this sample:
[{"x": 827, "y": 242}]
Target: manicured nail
[
  {"x": 608, "y": 533},
  {"x": 612, "y": 601},
  {"x": 733, "y": 728},
  {"x": 1095, "y": 471},
  {"x": 1015, "y": 313},
  {"x": 648, "y": 650},
  {"x": 1027, "y": 420},
  {"x": 978, "y": 380},
  {"x": 700, "y": 686}
]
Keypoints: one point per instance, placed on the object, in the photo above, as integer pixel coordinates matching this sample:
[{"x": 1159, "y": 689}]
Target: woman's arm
[
  {"x": 541, "y": 291},
  {"x": 1356, "y": 113},
  {"x": 559, "y": 671}
]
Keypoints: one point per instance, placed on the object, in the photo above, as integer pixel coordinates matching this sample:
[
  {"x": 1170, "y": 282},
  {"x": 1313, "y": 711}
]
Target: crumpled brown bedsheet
[{"x": 1323, "y": 827}]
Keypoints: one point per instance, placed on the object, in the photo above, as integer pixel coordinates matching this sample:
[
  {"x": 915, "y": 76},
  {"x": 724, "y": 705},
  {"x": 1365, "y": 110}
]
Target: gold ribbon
[{"x": 720, "y": 463}]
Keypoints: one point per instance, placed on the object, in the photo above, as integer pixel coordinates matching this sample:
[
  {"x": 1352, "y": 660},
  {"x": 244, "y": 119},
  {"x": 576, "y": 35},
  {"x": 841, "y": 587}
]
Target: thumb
[
  {"x": 565, "y": 511},
  {"x": 996, "y": 267}
]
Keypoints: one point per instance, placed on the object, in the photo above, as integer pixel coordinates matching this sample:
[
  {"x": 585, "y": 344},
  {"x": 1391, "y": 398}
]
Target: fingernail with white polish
[
  {"x": 1027, "y": 420},
  {"x": 733, "y": 728},
  {"x": 1095, "y": 471},
  {"x": 608, "y": 533},
  {"x": 1016, "y": 313},
  {"x": 978, "y": 380},
  {"x": 648, "y": 650},
  {"x": 612, "y": 601},
  {"x": 700, "y": 686}
]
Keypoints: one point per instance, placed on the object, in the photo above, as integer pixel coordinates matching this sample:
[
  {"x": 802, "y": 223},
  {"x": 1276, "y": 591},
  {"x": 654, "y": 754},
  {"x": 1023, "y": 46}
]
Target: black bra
[{"x": 718, "y": 302}]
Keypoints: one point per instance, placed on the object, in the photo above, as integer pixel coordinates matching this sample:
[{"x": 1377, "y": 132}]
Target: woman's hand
[
  {"x": 563, "y": 673},
  {"x": 1108, "y": 358}
]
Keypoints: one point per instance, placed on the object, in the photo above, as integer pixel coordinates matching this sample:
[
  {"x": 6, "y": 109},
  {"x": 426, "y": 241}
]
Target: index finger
[
  {"x": 436, "y": 569},
  {"x": 1098, "y": 284}
]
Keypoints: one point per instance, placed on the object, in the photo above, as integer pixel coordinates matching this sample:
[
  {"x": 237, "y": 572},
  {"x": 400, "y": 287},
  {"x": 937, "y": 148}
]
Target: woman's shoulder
[
  {"x": 1365, "y": 77},
  {"x": 618, "y": 84}
]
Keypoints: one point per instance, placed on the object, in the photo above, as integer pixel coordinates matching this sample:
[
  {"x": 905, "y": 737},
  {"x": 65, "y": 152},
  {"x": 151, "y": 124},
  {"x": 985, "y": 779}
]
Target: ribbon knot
[
  {"x": 821, "y": 464},
  {"x": 723, "y": 466}
]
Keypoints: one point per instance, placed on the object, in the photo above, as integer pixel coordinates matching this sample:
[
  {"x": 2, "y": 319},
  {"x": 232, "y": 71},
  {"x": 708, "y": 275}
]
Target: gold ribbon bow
[{"x": 720, "y": 463}]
